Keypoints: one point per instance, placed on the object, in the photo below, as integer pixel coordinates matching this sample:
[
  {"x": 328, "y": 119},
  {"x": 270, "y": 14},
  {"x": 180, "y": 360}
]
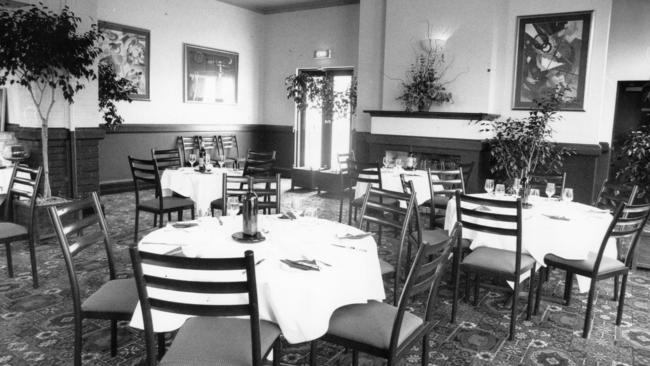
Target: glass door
[{"x": 323, "y": 128}]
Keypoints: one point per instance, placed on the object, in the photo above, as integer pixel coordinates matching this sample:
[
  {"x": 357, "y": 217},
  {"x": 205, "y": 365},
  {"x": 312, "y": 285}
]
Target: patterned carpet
[{"x": 36, "y": 325}]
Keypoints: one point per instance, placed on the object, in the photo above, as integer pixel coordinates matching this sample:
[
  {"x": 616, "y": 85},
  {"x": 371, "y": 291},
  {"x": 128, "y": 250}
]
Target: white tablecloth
[
  {"x": 541, "y": 235},
  {"x": 300, "y": 302},
  {"x": 390, "y": 180},
  {"x": 202, "y": 188},
  {"x": 5, "y": 176}
]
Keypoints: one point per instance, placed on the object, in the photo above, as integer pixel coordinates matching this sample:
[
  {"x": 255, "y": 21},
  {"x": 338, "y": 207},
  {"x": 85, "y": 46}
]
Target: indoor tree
[
  {"x": 113, "y": 89},
  {"x": 42, "y": 51}
]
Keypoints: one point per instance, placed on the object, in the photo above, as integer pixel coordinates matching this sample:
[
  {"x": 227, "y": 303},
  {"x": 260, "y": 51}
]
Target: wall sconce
[
  {"x": 323, "y": 54},
  {"x": 430, "y": 44}
]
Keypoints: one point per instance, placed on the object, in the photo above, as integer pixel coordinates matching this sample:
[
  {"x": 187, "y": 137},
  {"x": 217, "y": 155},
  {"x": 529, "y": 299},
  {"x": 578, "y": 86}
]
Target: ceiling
[{"x": 281, "y": 6}]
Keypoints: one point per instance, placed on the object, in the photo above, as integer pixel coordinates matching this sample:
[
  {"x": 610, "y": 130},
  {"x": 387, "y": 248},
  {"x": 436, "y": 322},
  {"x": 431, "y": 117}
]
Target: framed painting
[
  {"x": 209, "y": 75},
  {"x": 551, "y": 52},
  {"x": 127, "y": 50}
]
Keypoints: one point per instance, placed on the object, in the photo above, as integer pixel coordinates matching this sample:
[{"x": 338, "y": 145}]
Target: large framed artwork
[
  {"x": 127, "y": 50},
  {"x": 551, "y": 51},
  {"x": 210, "y": 75}
]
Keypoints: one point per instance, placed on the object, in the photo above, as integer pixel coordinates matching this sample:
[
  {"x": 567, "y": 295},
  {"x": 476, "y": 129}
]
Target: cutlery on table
[
  {"x": 349, "y": 247},
  {"x": 219, "y": 219},
  {"x": 557, "y": 217},
  {"x": 354, "y": 236},
  {"x": 303, "y": 265},
  {"x": 178, "y": 250}
]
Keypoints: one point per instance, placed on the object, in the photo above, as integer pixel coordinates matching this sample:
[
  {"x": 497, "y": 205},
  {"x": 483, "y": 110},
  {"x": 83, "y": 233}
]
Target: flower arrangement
[{"x": 424, "y": 83}]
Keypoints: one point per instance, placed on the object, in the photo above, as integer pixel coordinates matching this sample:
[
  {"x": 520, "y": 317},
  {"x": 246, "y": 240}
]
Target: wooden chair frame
[
  {"x": 167, "y": 158},
  {"x": 361, "y": 172},
  {"x": 539, "y": 181},
  {"x": 451, "y": 181},
  {"x": 227, "y": 144}
]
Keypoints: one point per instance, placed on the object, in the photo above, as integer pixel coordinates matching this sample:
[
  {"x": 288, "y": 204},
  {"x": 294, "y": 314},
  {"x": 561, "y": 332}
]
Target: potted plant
[
  {"x": 424, "y": 83},
  {"x": 634, "y": 161},
  {"x": 112, "y": 89},
  {"x": 305, "y": 89},
  {"x": 43, "y": 52},
  {"x": 523, "y": 146},
  {"x": 302, "y": 88}
]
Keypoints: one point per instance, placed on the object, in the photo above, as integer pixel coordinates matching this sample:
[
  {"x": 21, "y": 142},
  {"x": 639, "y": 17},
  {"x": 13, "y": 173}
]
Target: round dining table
[
  {"x": 201, "y": 187},
  {"x": 300, "y": 301},
  {"x": 569, "y": 230}
]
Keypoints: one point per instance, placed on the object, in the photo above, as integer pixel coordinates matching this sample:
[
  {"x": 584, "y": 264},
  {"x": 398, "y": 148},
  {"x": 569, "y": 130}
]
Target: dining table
[
  {"x": 201, "y": 187},
  {"x": 569, "y": 230},
  {"x": 300, "y": 301},
  {"x": 5, "y": 176}
]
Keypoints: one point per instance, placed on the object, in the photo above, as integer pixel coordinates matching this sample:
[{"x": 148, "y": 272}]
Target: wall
[
  {"x": 205, "y": 23},
  {"x": 629, "y": 53},
  {"x": 289, "y": 43}
]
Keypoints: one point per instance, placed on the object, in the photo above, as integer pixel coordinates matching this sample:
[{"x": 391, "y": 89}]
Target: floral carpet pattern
[{"x": 36, "y": 325}]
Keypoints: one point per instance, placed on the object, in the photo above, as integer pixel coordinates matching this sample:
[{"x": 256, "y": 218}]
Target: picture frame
[
  {"x": 551, "y": 51},
  {"x": 127, "y": 49},
  {"x": 210, "y": 75}
]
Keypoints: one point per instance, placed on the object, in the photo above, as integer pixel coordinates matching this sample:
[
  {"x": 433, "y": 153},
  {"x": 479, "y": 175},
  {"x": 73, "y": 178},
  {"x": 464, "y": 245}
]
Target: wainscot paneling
[{"x": 138, "y": 140}]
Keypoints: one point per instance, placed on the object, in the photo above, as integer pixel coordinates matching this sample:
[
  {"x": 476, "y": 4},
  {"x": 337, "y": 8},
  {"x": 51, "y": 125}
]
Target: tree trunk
[{"x": 47, "y": 191}]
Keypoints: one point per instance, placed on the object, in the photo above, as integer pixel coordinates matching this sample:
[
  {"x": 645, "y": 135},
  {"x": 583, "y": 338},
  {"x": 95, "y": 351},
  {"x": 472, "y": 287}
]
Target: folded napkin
[
  {"x": 304, "y": 264},
  {"x": 353, "y": 236},
  {"x": 184, "y": 224},
  {"x": 288, "y": 216},
  {"x": 558, "y": 217}
]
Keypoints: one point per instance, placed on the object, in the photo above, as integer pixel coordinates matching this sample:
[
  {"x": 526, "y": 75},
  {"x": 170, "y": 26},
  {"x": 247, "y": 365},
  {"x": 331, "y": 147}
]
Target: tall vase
[
  {"x": 525, "y": 193},
  {"x": 425, "y": 105}
]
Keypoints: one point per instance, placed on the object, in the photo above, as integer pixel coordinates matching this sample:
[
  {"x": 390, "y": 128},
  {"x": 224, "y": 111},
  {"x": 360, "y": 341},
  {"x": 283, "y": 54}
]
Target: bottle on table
[
  {"x": 201, "y": 155},
  {"x": 249, "y": 210},
  {"x": 410, "y": 161}
]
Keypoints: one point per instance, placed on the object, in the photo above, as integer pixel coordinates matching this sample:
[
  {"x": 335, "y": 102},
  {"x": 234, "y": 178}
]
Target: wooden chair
[
  {"x": 213, "y": 336},
  {"x": 21, "y": 191},
  {"x": 539, "y": 181},
  {"x": 116, "y": 299},
  {"x": 228, "y": 147},
  {"x": 345, "y": 184},
  {"x": 612, "y": 194},
  {"x": 628, "y": 222},
  {"x": 502, "y": 218},
  {"x": 388, "y": 331},
  {"x": 186, "y": 146},
  {"x": 450, "y": 181},
  {"x": 167, "y": 158},
  {"x": 232, "y": 186},
  {"x": 259, "y": 163},
  {"x": 209, "y": 144},
  {"x": 268, "y": 191},
  {"x": 468, "y": 168},
  {"x": 381, "y": 208},
  {"x": 360, "y": 172},
  {"x": 146, "y": 172}
]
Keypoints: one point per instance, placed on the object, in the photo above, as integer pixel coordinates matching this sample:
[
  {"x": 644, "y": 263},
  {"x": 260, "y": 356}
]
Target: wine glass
[
  {"x": 386, "y": 161},
  {"x": 233, "y": 206},
  {"x": 516, "y": 186},
  {"x": 550, "y": 190},
  {"x": 534, "y": 192},
  {"x": 192, "y": 159},
  {"x": 221, "y": 159},
  {"x": 500, "y": 190},
  {"x": 207, "y": 159},
  {"x": 489, "y": 185},
  {"x": 398, "y": 163},
  {"x": 567, "y": 194}
]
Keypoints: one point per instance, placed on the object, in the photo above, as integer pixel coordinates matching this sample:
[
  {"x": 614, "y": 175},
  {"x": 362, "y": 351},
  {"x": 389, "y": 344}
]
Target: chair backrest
[
  {"x": 491, "y": 216},
  {"x": 408, "y": 188},
  {"x": 468, "y": 168},
  {"x": 539, "y": 181},
  {"x": 162, "y": 286},
  {"x": 209, "y": 144},
  {"x": 22, "y": 190},
  {"x": 361, "y": 172},
  {"x": 380, "y": 208},
  {"x": 81, "y": 231},
  {"x": 145, "y": 174},
  {"x": 628, "y": 222},
  {"x": 233, "y": 186},
  {"x": 227, "y": 146},
  {"x": 268, "y": 191},
  {"x": 425, "y": 275},
  {"x": 167, "y": 158},
  {"x": 612, "y": 194},
  {"x": 342, "y": 160},
  {"x": 259, "y": 163},
  {"x": 444, "y": 183},
  {"x": 186, "y": 146}
]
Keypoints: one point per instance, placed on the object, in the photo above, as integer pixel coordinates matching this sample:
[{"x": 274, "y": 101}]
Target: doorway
[{"x": 323, "y": 128}]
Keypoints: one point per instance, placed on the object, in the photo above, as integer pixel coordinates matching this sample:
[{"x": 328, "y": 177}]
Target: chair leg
[
  {"x": 161, "y": 345},
  {"x": 467, "y": 283},
  {"x": 341, "y": 208},
  {"x": 10, "y": 266},
  {"x": 137, "y": 219},
  {"x": 476, "y": 289},
  {"x": 513, "y": 314},
  {"x": 313, "y": 356},
  {"x": 355, "y": 357},
  {"x": 169, "y": 217},
  {"x": 542, "y": 274},
  {"x": 277, "y": 352},
  {"x": 425, "y": 350},
  {"x": 456, "y": 279},
  {"x": 160, "y": 223},
  {"x": 531, "y": 289},
  {"x": 32, "y": 259},
  {"x": 590, "y": 304},
  {"x": 621, "y": 300},
  {"x": 192, "y": 213},
  {"x": 77, "y": 340},
  {"x": 568, "y": 286},
  {"x": 615, "y": 297},
  {"x": 179, "y": 215},
  {"x": 113, "y": 338}
]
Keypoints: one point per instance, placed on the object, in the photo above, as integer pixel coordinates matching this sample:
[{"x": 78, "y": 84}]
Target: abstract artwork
[
  {"x": 210, "y": 75},
  {"x": 552, "y": 52},
  {"x": 127, "y": 50}
]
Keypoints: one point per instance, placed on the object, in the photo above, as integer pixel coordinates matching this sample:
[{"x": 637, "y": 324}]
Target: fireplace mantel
[{"x": 467, "y": 116}]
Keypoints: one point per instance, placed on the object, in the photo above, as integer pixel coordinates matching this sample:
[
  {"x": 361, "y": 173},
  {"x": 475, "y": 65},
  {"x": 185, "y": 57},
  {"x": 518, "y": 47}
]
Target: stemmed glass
[
  {"x": 221, "y": 159},
  {"x": 567, "y": 195},
  {"x": 489, "y": 185},
  {"x": 192, "y": 159},
  {"x": 386, "y": 161},
  {"x": 207, "y": 159},
  {"x": 550, "y": 190},
  {"x": 233, "y": 206},
  {"x": 516, "y": 186},
  {"x": 398, "y": 163}
]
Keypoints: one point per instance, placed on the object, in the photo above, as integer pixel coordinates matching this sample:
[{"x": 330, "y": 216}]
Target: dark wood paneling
[
  {"x": 467, "y": 116},
  {"x": 138, "y": 139}
]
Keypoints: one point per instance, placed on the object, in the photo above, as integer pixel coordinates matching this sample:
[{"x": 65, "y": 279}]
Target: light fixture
[
  {"x": 433, "y": 44},
  {"x": 323, "y": 54}
]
